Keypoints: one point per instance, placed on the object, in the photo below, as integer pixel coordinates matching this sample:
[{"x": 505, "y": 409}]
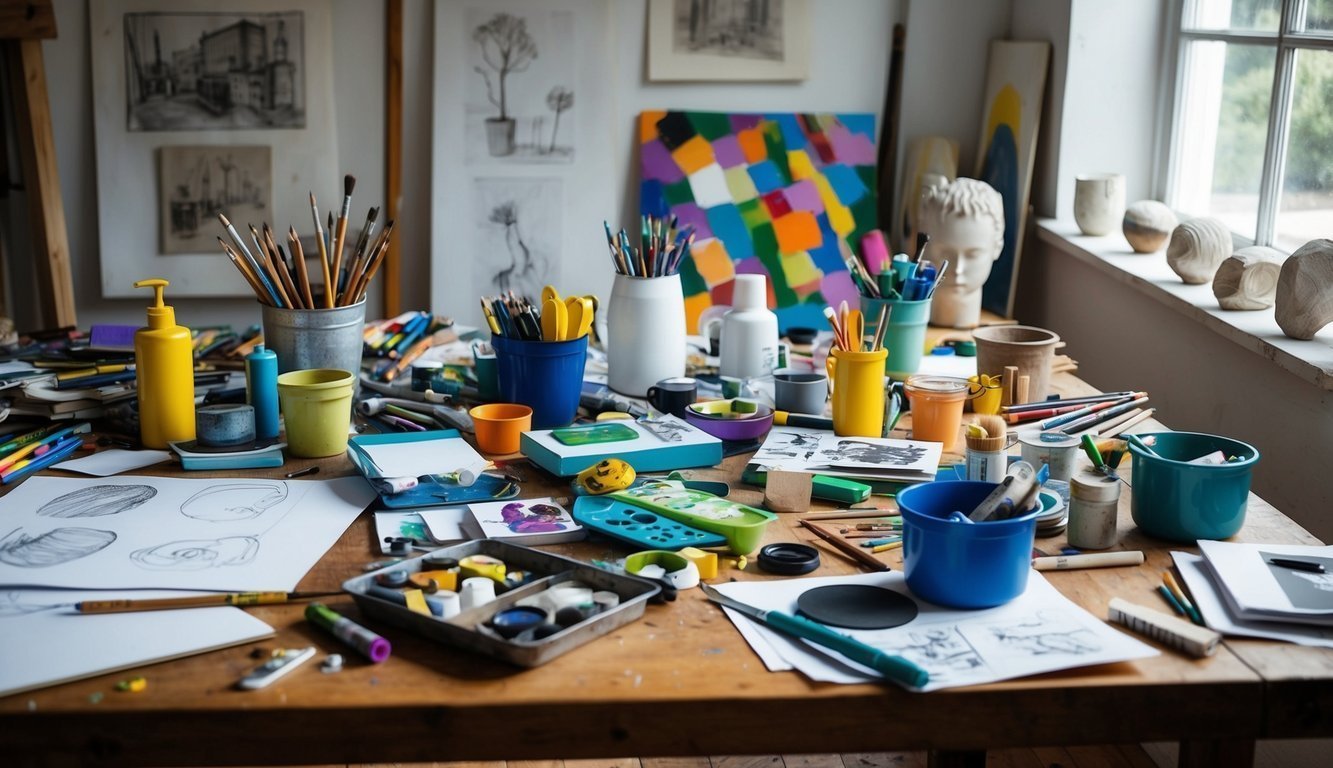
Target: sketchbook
[
  {"x": 227, "y": 534},
  {"x": 531, "y": 522},
  {"x": 1207, "y": 596},
  {"x": 1258, "y": 588},
  {"x": 60, "y": 645},
  {"x": 795, "y": 449},
  {"x": 1040, "y": 631}
]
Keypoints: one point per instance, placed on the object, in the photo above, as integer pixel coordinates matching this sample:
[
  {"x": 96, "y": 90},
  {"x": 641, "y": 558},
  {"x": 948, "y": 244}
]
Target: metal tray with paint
[{"x": 467, "y": 630}]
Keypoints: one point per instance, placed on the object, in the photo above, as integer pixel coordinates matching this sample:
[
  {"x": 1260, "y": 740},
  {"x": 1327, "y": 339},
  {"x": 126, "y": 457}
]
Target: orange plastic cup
[
  {"x": 937, "y": 408},
  {"x": 499, "y": 425}
]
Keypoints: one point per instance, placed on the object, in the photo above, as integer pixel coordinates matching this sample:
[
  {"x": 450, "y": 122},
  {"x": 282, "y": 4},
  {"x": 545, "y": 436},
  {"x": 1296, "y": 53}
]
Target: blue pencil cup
[
  {"x": 959, "y": 564},
  {"x": 546, "y": 376}
]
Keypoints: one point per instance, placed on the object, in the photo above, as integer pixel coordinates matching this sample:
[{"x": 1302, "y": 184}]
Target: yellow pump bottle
[{"x": 164, "y": 368}]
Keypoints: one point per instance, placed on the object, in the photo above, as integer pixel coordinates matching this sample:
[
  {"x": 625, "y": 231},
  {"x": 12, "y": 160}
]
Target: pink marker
[{"x": 874, "y": 253}]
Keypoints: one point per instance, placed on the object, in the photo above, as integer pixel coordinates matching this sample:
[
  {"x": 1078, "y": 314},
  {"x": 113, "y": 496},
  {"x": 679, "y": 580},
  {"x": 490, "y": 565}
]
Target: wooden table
[{"x": 680, "y": 681}]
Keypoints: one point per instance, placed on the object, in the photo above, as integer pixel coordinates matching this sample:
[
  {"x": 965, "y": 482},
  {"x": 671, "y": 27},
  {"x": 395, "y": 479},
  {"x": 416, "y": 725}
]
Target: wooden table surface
[{"x": 679, "y": 681}]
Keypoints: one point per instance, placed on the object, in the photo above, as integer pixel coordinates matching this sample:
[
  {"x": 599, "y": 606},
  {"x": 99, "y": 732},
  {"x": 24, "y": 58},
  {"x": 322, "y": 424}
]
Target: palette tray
[
  {"x": 742, "y": 525},
  {"x": 638, "y": 526},
  {"x": 468, "y": 629}
]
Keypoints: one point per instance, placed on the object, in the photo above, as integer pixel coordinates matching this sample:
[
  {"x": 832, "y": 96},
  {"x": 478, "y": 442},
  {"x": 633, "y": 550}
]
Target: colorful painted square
[{"x": 773, "y": 194}]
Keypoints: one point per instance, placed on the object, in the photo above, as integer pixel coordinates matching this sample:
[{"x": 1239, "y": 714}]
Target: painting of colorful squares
[{"x": 781, "y": 195}]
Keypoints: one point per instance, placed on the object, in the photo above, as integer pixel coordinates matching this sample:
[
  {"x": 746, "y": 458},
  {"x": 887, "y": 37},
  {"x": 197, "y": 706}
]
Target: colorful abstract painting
[
  {"x": 1015, "y": 81},
  {"x": 781, "y": 195}
]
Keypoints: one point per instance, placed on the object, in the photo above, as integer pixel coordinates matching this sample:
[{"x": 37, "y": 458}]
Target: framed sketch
[
  {"x": 195, "y": 182},
  {"x": 523, "y": 167},
  {"x": 728, "y": 39},
  {"x": 198, "y": 108}
]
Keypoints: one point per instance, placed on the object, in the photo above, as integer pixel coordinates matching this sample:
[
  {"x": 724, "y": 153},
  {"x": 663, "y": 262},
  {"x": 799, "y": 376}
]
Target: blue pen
[{"x": 62, "y": 450}]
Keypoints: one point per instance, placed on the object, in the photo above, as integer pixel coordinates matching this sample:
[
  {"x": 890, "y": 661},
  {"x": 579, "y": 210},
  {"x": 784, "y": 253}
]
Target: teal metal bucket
[{"x": 1178, "y": 501}]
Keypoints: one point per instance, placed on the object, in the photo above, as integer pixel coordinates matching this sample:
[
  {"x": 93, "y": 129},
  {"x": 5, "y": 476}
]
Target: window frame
[{"x": 1286, "y": 40}]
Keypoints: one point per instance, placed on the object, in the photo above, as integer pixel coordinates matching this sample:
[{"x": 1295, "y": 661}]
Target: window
[{"x": 1252, "y": 138}]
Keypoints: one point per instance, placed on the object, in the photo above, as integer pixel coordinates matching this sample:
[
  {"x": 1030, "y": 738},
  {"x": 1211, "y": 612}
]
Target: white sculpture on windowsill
[
  {"x": 1304, "y": 302},
  {"x": 965, "y": 221}
]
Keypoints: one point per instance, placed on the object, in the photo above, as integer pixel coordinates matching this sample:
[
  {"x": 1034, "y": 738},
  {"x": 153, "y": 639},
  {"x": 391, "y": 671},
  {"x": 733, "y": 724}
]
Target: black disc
[{"x": 856, "y": 606}]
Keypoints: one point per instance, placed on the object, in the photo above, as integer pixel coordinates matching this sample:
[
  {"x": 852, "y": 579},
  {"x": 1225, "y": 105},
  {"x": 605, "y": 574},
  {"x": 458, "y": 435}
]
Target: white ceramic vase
[
  {"x": 645, "y": 328},
  {"x": 1099, "y": 203}
]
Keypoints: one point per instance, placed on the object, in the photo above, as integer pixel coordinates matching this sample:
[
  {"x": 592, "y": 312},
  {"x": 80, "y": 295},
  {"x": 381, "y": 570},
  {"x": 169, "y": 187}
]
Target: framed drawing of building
[
  {"x": 199, "y": 108},
  {"x": 728, "y": 39}
]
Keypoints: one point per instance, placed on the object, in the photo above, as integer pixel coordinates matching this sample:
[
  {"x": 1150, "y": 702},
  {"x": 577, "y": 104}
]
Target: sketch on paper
[
  {"x": 518, "y": 234},
  {"x": 750, "y": 29},
  {"x": 194, "y": 183},
  {"x": 55, "y": 547},
  {"x": 197, "y": 554},
  {"x": 14, "y": 604},
  {"x": 861, "y": 452},
  {"x": 1040, "y": 634},
  {"x": 519, "y": 97},
  {"x": 97, "y": 500},
  {"x": 668, "y": 430},
  {"x": 940, "y": 649},
  {"x": 214, "y": 71},
  {"x": 230, "y": 502}
]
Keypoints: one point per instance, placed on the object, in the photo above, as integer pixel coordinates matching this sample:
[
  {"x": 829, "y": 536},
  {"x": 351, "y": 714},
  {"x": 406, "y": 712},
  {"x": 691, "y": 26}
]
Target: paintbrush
[
  {"x": 349, "y": 183},
  {"x": 323, "y": 252},
  {"x": 271, "y": 268},
  {"x": 283, "y": 273},
  {"x": 299, "y": 254},
  {"x": 245, "y": 272}
]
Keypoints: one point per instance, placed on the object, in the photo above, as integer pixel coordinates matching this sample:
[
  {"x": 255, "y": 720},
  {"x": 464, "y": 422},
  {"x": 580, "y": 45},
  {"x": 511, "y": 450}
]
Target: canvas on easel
[{"x": 1010, "y": 117}]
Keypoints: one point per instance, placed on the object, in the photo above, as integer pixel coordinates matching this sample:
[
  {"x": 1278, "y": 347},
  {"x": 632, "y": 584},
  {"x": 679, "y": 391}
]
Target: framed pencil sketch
[
  {"x": 728, "y": 39},
  {"x": 523, "y": 168},
  {"x": 199, "y": 107}
]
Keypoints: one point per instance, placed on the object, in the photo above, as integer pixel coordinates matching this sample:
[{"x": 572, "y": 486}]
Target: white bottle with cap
[{"x": 748, "y": 346}]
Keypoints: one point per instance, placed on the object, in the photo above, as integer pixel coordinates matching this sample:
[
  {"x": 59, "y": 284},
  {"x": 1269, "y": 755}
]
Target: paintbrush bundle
[
  {"x": 280, "y": 277},
  {"x": 661, "y": 248}
]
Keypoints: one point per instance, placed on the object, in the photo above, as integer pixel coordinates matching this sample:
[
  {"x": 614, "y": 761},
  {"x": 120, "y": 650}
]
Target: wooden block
[
  {"x": 1009, "y": 387},
  {"x": 1021, "y": 392},
  {"x": 788, "y": 491}
]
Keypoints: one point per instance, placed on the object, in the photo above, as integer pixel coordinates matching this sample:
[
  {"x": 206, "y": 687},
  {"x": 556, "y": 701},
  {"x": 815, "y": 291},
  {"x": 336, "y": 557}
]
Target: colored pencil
[
  {"x": 59, "y": 452},
  {"x": 1120, "y": 428},
  {"x": 1063, "y": 402},
  {"x": 1085, "y": 410},
  {"x": 1097, "y": 418},
  {"x": 14, "y": 458},
  {"x": 847, "y": 548},
  {"x": 1170, "y": 581},
  {"x": 299, "y": 254}
]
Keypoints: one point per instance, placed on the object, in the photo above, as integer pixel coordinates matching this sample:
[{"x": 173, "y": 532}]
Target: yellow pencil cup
[
  {"x": 857, "y": 381},
  {"x": 985, "y": 391},
  {"x": 317, "y": 410}
]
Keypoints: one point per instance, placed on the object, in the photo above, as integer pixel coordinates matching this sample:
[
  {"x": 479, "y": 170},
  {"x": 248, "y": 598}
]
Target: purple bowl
[{"x": 735, "y": 429}]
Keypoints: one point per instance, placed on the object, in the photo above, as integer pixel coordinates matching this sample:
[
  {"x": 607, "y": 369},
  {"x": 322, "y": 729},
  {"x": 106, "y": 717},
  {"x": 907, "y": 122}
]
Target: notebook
[{"x": 660, "y": 445}]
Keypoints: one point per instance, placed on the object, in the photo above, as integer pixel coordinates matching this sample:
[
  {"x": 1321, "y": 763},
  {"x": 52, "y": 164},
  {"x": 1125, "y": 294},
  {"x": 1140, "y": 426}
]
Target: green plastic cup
[{"x": 906, "y": 337}]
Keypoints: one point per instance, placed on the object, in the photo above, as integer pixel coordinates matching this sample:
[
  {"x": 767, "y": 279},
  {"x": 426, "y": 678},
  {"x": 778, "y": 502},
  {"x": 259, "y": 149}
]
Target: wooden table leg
[
  {"x": 1216, "y": 754},
  {"x": 956, "y": 758}
]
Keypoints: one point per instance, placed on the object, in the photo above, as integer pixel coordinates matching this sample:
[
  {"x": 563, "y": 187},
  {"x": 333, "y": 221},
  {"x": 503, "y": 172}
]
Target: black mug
[{"x": 673, "y": 395}]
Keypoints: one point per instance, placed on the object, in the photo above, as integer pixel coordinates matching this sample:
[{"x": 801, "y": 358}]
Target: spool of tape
[{"x": 225, "y": 424}]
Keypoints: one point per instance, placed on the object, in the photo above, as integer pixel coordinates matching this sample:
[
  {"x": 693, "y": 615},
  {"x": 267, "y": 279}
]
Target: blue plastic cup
[
  {"x": 1175, "y": 500},
  {"x": 546, "y": 376},
  {"x": 961, "y": 564}
]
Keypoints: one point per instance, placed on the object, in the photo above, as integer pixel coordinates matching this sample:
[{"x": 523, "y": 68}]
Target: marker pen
[{"x": 367, "y": 643}]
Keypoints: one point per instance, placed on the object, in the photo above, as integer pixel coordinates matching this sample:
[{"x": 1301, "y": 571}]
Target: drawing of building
[{"x": 238, "y": 73}]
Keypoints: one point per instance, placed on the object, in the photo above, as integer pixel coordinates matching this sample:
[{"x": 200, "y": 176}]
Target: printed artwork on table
[{"x": 781, "y": 195}]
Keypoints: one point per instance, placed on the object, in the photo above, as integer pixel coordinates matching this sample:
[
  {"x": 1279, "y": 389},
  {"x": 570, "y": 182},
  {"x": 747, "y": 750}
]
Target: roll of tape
[{"x": 225, "y": 424}]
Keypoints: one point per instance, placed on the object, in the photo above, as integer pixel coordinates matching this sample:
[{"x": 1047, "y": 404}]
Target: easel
[{"x": 23, "y": 26}]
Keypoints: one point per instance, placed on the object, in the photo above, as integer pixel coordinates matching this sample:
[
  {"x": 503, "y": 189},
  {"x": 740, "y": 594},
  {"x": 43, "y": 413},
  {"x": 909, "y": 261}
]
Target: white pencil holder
[{"x": 645, "y": 326}]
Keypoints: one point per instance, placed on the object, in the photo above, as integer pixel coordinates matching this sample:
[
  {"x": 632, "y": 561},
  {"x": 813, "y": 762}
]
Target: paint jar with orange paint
[{"x": 937, "y": 408}]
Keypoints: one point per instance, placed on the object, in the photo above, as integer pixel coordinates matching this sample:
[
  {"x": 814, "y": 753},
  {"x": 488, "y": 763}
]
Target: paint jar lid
[
  {"x": 1050, "y": 440},
  {"x": 936, "y": 385},
  {"x": 1094, "y": 486}
]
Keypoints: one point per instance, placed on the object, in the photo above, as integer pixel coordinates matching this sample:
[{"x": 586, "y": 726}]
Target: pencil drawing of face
[
  {"x": 54, "y": 547},
  {"x": 97, "y": 500},
  {"x": 230, "y": 502}
]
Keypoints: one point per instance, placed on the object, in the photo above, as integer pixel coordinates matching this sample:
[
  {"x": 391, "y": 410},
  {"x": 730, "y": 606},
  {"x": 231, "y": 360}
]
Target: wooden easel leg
[
  {"x": 951, "y": 758},
  {"x": 1216, "y": 754},
  {"x": 32, "y": 112}
]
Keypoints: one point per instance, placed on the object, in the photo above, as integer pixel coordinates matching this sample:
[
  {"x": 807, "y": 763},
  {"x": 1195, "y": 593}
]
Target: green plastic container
[
  {"x": 742, "y": 525},
  {"x": 906, "y": 338},
  {"x": 1175, "y": 500}
]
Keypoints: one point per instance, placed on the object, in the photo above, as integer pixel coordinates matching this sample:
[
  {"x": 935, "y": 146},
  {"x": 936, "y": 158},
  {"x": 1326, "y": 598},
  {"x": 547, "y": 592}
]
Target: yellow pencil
[
  {"x": 202, "y": 601},
  {"x": 886, "y": 547}
]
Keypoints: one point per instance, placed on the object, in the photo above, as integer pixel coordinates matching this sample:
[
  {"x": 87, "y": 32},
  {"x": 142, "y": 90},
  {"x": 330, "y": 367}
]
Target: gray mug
[{"x": 800, "y": 392}]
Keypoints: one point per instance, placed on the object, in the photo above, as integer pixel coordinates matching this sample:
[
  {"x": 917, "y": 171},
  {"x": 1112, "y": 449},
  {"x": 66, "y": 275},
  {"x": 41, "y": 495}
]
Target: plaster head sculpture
[{"x": 965, "y": 221}]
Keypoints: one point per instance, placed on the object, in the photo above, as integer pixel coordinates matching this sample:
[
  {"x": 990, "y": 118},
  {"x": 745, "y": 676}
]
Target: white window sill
[{"x": 1257, "y": 330}]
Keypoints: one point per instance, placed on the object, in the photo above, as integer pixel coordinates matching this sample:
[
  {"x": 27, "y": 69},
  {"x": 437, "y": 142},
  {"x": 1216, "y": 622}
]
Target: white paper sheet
[
  {"x": 806, "y": 450},
  {"x": 1216, "y": 614},
  {"x": 1260, "y": 590},
  {"x": 1040, "y": 631},
  {"x": 415, "y": 459},
  {"x": 113, "y": 461},
  {"x": 230, "y": 534},
  {"x": 445, "y": 524},
  {"x": 59, "y": 644}
]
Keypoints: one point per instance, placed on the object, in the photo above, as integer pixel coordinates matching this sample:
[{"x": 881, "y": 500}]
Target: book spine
[{"x": 1179, "y": 634}]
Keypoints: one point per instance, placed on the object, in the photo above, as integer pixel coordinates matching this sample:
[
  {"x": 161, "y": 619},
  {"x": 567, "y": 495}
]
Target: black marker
[
  {"x": 1297, "y": 565},
  {"x": 303, "y": 472}
]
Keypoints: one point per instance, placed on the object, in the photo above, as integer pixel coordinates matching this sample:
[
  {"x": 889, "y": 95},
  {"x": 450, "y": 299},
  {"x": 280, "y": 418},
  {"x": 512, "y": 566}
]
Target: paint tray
[
  {"x": 468, "y": 629},
  {"x": 638, "y": 526},
  {"x": 742, "y": 525}
]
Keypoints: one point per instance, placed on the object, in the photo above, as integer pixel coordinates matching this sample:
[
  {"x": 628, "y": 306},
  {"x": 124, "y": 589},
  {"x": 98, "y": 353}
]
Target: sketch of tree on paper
[
  {"x": 518, "y": 234},
  {"x": 508, "y": 100},
  {"x": 749, "y": 29}
]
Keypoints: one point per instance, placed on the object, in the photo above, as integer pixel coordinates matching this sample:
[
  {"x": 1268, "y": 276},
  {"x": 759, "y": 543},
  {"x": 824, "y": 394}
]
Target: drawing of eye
[
  {"x": 230, "y": 502},
  {"x": 197, "y": 554}
]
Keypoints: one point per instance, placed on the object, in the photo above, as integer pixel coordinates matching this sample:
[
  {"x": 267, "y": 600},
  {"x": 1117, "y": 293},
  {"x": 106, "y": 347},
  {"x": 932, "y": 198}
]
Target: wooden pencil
[
  {"x": 851, "y": 514},
  {"x": 275, "y": 253},
  {"x": 853, "y": 551},
  {"x": 270, "y": 268},
  {"x": 373, "y": 265},
  {"x": 241, "y": 267},
  {"x": 1132, "y": 422},
  {"x": 323, "y": 252},
  {"x": 349, "y": 182},
  {"x": 299, "y": 253}
]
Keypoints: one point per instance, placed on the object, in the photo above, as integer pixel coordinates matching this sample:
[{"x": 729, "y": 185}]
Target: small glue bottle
[
  {"x": 164, "y": 374},
  {"x": 1093, "y": 510},
  {"x": 261, "y": 390}
]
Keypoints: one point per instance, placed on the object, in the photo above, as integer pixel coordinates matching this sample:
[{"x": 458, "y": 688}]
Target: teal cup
[
  {"x": 1178, "y": 501},
  {"x": 488, "y": 372},
  {"x": 906, "y": 337}
]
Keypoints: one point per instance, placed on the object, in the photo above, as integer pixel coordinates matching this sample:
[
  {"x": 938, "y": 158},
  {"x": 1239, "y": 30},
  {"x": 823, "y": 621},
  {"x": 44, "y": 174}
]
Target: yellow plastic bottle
[{"x": 164, "y": 368}]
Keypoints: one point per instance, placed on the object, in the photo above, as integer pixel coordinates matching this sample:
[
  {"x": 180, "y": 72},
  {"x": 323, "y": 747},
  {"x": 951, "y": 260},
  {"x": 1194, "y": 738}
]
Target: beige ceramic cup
[{"x": 1099, "y": 203}]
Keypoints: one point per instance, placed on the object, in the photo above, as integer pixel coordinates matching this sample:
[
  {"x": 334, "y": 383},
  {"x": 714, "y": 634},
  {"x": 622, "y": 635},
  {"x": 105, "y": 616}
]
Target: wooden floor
[{"x": 1121, "y": 756}]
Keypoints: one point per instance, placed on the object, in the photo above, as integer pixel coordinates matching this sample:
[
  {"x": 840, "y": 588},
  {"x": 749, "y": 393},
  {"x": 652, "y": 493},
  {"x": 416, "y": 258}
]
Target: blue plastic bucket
[
  {"x": 960, "y": 564},
  {"x": 546, "y": 376},
  {"x": 1175, "y": 500}
]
